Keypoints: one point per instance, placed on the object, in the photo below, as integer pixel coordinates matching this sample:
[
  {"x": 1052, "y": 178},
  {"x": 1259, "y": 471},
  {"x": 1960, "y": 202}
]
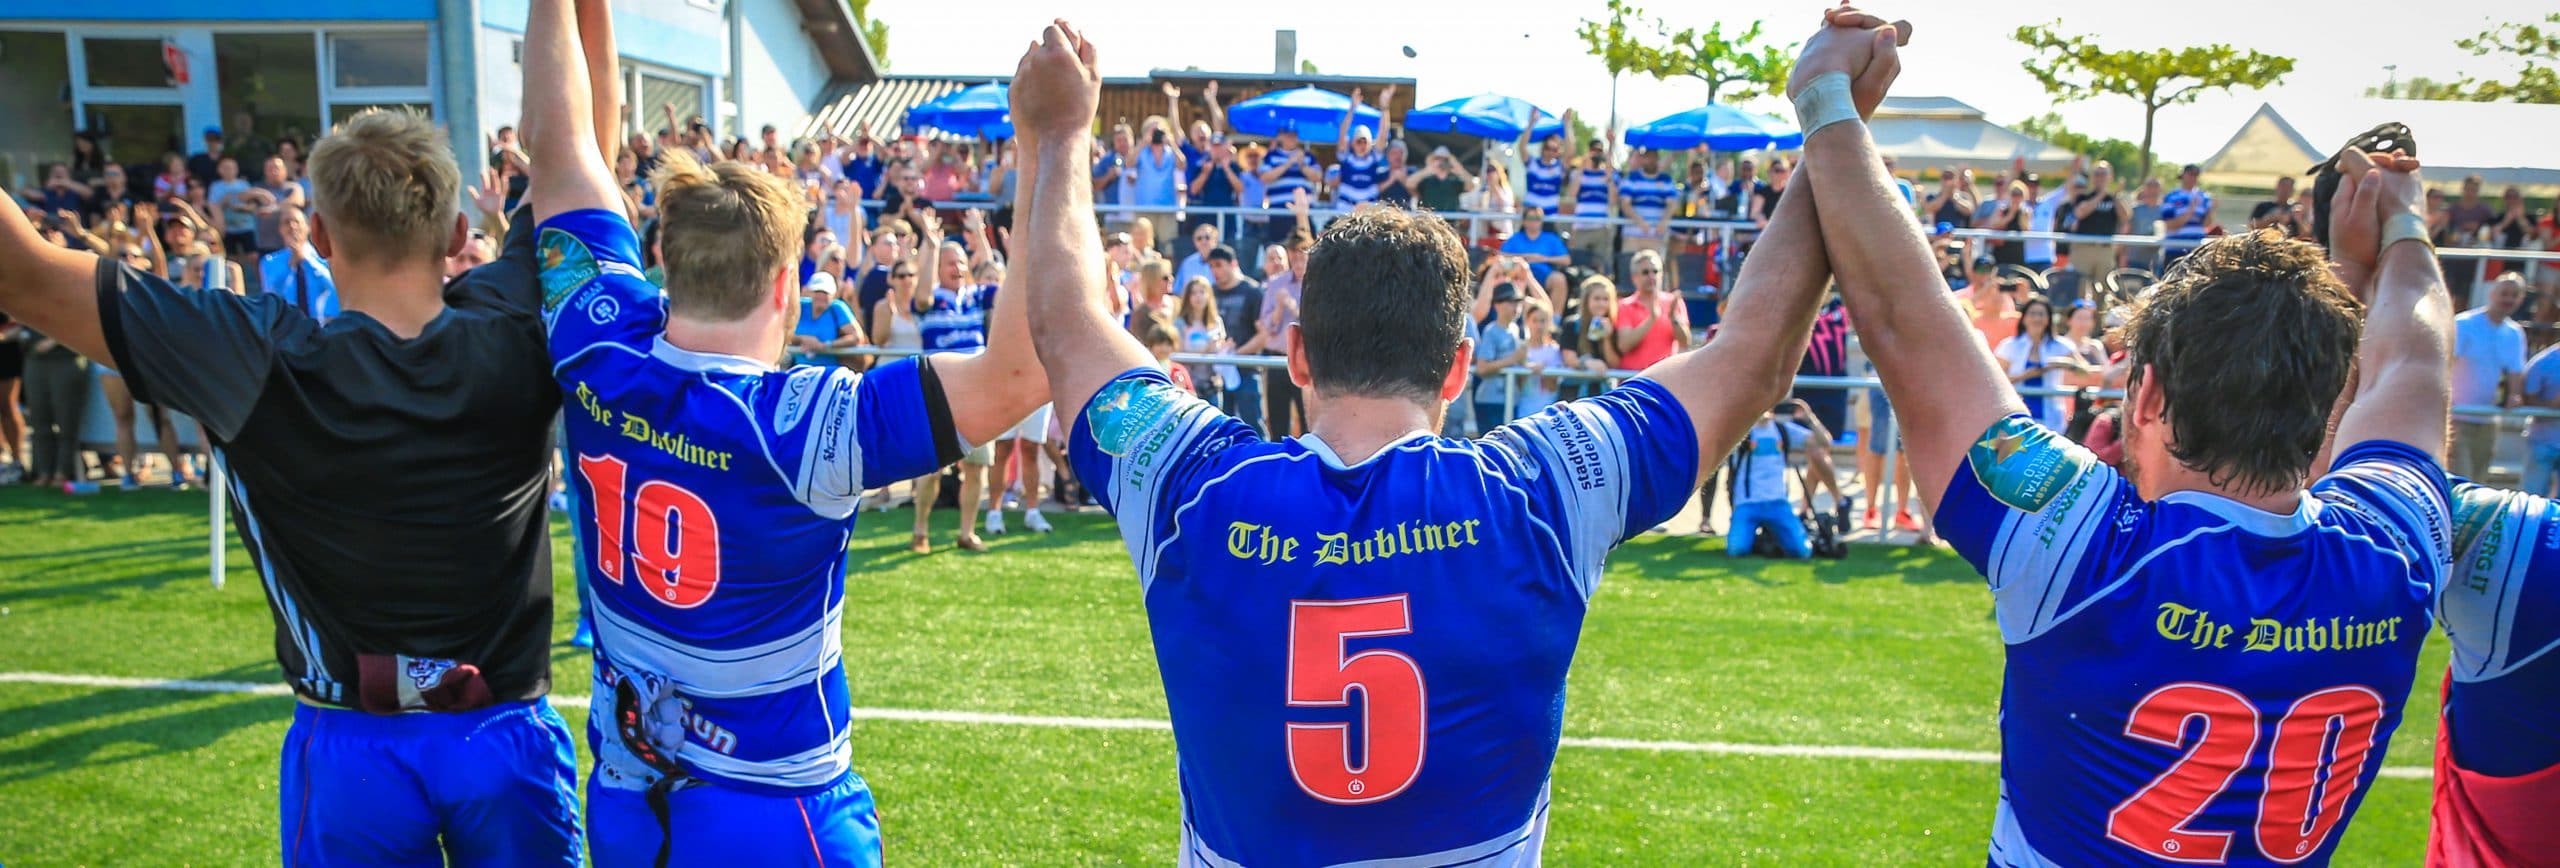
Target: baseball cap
[
  {"x": 820, "y": 282},
  {"x": 1985, "y": 263},
  {"x": 1506, "y": 292},
  {"x": 213, "y": 132}
]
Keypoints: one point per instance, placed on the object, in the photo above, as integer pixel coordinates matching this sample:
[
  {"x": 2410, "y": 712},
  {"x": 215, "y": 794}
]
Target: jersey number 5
[
  {"x": 2319, "y": 753},
  {"x": 673, "y": 535},
  {"x": 1390, "y": 685}
]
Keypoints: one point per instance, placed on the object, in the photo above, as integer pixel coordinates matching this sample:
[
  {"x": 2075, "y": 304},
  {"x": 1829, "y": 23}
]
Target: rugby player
[
  {"x": 1364, "y": 632},
  {"x": 721, "y": 492},
  {"x": 2208, "y": 652},
  {"x": 2497, "y": 760},
  {"x": 2497, "y": 763},
  {"x": 389, "y": 469}
]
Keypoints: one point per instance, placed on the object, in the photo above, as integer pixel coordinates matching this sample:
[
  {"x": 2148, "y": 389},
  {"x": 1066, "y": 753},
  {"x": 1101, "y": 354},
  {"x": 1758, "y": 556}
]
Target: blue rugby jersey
[
  {"x": 1277, "y": 192},
  {"x": 2190, "y": 679},
  {"x": 1544, "y": 180},
  {"x": 2498, "y": 753},
  {"x": 1444, "y": 579},
  {"x": 956, "y": 320},
  {"x": 720, "y": 496},
  {"x": 1356, "y": 178}
]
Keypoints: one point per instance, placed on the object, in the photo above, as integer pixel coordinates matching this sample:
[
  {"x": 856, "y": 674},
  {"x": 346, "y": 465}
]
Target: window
[
  {"x": 125, "y": 63},
  {"x": 345, "y": 110},
  {"x": 655, "y": 92},
  {"x": 378, "y": 59}
]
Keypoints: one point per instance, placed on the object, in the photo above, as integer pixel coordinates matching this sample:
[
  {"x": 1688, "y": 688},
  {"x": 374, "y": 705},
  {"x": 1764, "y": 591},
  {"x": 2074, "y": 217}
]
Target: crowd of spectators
[{"x": 1580, "y": 267}]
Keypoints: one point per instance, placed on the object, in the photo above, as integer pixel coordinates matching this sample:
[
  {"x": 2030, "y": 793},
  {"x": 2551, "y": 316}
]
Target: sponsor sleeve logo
[
  {"x": 567, "y": 264},
  {"x": 2025, "y": 466},
  {"x": 1128, "y": 408},
  {"x": 796, "y": 390}
]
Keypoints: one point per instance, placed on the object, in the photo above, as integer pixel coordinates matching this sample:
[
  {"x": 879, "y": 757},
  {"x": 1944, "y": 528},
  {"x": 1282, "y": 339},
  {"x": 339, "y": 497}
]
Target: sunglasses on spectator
[
  {"x": 1648, "y": 271},
  {"x": 901, "y": 275}
]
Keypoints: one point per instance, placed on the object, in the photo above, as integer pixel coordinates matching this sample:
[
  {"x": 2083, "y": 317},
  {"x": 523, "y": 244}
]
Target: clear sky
[{"x": 1527, "y": 49}]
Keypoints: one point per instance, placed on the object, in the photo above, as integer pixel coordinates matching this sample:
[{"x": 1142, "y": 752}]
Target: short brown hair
[
  {"x": 386, "y": 180},
  {"x": 727, "y": 229},
  {"x": 1385, "y": 304},
  {"x": 2252, "y": 338}
]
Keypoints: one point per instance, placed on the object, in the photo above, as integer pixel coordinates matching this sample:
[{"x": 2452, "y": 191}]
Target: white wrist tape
[
  {"x": 2405, "y": 226},
  {"x": 1824, "y": 102}
]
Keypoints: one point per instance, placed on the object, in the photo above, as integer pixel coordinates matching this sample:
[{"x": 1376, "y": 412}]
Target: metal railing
[{"x": 1725, "y": 231}]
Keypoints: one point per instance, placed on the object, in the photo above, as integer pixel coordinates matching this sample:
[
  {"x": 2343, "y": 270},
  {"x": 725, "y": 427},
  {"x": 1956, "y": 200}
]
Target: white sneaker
[
  {"x": 1037, "y": 522},
  {"x": 995, "y": 522}
]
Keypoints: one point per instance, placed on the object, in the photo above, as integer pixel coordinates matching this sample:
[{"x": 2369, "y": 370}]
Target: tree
[
  {"x": 1708, "y": 56},
  {"x": 2124, "y": 155},
  {"x": 2420, "y": 87},
  {"x": 874, "y": 33},
  {"x": 2537, "y": 44},
  {"x": 1613, "y": 41},
  {"x": 2074, "y": 68}
]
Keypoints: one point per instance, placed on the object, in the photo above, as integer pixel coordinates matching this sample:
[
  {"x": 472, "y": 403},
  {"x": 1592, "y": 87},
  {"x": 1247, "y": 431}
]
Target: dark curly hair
[
  {"x": 2251, "y": 338},
  {"x": 1385, "y": 304}
]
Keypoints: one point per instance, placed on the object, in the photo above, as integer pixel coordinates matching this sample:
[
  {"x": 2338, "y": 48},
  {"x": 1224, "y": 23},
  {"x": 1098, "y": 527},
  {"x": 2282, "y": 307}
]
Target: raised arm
[
  {"x": 2402, "y": 392},
  {"x": 1082, "y": 346},
  {"x": 1942, "y": 379},
  {"x": 1727, "y": 384},
  {"x": 51, "y": 289},
  {"x": 997, "y": 387},
  {"x": 559, "y": 112},
  {"x": 1217, "y": 113}
]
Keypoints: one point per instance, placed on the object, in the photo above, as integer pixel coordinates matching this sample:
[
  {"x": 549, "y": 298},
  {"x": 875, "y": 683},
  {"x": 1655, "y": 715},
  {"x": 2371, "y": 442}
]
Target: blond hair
[
  {"x": 385, "y": 180},
  {"x": 726, "y": 229}
]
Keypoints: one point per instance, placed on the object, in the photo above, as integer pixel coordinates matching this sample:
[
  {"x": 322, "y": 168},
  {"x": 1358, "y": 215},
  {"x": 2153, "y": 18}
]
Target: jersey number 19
[{"x": 672, "y": 533}]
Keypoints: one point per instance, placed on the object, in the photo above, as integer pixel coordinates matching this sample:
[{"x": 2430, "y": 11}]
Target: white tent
[
  {"x": 2502, "y": 142},
  {"x": 1922, "y": 133}
]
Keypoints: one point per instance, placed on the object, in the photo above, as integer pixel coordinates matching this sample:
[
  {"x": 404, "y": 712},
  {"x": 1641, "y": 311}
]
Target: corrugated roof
[{"x": 881, "y": 105}]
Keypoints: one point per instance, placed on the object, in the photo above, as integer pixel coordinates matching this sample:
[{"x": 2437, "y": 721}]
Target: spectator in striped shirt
[
  {"x": 1592, "y": 190},
  {"x": 1361, "y": 167},
  {"x": 1543, "y": 174},
  {"x": 2185, "y": 215},
  {"x": 1287, "y": 169},
  {"x": 1645, "y": 196}
]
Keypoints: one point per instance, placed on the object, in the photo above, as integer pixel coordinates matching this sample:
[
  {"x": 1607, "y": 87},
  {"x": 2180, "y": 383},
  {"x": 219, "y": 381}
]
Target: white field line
[{"x": 977, "y": 718}]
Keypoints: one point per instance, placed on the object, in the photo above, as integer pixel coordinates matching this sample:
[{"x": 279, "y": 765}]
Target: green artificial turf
[{"x": 1890, "y": 648}]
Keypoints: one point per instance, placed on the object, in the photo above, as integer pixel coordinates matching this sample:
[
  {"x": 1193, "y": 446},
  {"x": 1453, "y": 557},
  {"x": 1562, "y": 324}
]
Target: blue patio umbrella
[
  {"x": 984, "y": 111},
  {"x": 1314, "y": 112},
  {"x": 1719, "y": 127},
  {"x": 1485, "y": 116}
]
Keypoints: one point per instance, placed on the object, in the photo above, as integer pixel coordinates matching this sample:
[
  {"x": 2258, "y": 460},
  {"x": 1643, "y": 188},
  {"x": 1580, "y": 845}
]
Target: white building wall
[{"x": 782, "y": 72}]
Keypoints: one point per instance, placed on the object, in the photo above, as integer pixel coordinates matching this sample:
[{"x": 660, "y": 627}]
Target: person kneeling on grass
[{"x": 1759, "y": 477}]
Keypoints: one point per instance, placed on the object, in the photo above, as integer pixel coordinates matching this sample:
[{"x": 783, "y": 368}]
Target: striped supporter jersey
[
  {"x": 2498, "y": 754},
  {"x": 2191, "y": 679},
  {"x": 1650, "y": 196},
  {"x": 1544, "y": 180},
  {"x": 1277, "y": 192},
  {"x": 1356, "y": 178},
  {"x": 720, "y": 494},
  {"x": 1591, "y": 196},
  {"x": 1365, "y": 662}
]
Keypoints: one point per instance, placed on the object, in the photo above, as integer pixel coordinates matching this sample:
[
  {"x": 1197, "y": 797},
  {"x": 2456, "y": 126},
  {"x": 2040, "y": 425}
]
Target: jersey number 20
[
  {"x": 672, "y": 533},
  {"x": 2320, "y": 747},
  {"x": 1390, "y": 685}
]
